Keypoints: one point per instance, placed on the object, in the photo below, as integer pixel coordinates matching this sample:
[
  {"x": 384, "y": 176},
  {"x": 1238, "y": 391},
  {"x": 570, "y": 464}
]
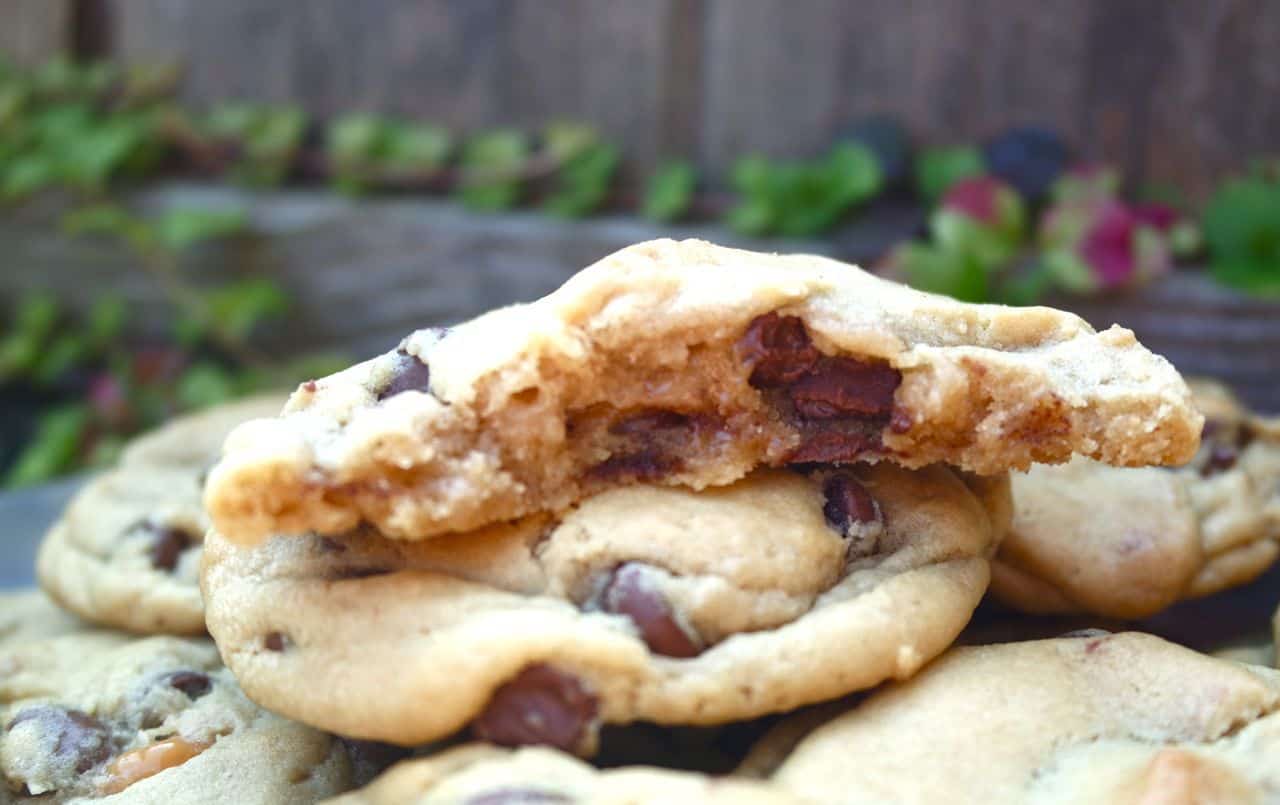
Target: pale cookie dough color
[
  {"x": 643, "y": 603},
  {"x": 29, "y": 614},
  {"x": 126, "y": 552},
  {"x": 689, "y": 364},
  {"x": 1124, "y": 718},
  {"x": 485, "y": 775},
  {"x": 1126, "y": 543},
  {"x": 100, "y": 716}
]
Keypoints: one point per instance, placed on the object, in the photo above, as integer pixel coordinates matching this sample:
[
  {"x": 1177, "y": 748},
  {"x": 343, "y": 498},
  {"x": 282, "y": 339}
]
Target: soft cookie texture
[
  {"x": 1123, "y": 718},
  {"x": 29, "y": 614},
  {"x": 101, "y": 716},
  {"x": 126, "y": 553},
  {"x": 1128, "y": 542},
  {"x": 691, "y": 364},
  {"x": 643, "y": 603},
  {"x": 485, "y": 775}
]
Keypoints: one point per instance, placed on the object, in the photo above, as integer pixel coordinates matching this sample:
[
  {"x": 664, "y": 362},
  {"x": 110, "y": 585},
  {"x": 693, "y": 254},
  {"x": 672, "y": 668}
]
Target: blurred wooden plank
[
  {"x": 31, "y": 31},
  {"x": 467, "y": 64},
  {"x": 1175, "y": 93}
]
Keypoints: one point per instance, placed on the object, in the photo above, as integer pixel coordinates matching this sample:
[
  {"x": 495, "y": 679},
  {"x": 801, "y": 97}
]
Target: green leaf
[
  {"x": 354, "y": 138},
  {"x": 58, "y": 437},
  {"x": 936, "y": 270},
  {"x": 1241, "y": 228},
  {"x": 33, "y": 323},
  {"x": 939, "y": 168},
  {"x": 180, "y": 228},
  {"x": 238, "y": 308},
  {"x": 106, "y": 320},
  {"x": 109, "y": 220},
  {"x": 565, "y": 140},
  {"x": 854, "y": 172},
  {"x": 417, "y": 148},
  {"x": 582, "y": 184},
  {"x": 65, "y": 352},
  {"x": 669, "y": 192},
  {"x": 492, "y": 164},
  {"x": 204, "y": 384},
  {"x": 27, "y": 176}
]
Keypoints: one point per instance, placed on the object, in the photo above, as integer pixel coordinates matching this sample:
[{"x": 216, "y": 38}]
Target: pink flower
[
  {"x": 978, "y": 198},
  {"x": 109, "y": 400}
]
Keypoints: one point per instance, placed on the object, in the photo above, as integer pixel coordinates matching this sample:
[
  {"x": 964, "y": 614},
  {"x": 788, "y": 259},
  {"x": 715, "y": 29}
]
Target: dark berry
[{"x": 1030, "y": 158}]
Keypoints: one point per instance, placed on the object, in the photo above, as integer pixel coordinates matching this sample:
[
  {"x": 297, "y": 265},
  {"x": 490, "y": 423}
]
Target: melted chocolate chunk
[
  {"x": 833, "y": 447},
  {"x": 630, "y": 593},
  {"x": 517, "y": 796},
  {"x": 541, "y": 705},
  {"x": 192, "y": 683},
  {"x": 330, "y": 545},
  {"x": 168, "y": 543},
  {"x": 845, "y": 387},
  {"x": 345, "y": 573},
  {"x": 1222, "y": 457},
  {"x": 777, "y": 349},
  {"x": 646, "y": 422},
  {"x": 410, "y": 374},
  {"x": 275, "y": 641},
  {"x": 648, "y": 464},
  {"x": 848, "y": 502},
  {"x": 371, "y": 758},
  {"x": 79, "y": 738}
]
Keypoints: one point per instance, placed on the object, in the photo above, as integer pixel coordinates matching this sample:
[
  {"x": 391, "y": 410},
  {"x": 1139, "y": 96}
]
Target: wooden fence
[{"x": 1175, "y": 91}]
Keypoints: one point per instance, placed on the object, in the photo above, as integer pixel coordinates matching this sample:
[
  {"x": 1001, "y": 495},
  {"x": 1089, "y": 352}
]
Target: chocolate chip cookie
[
  {"x": 100, "y": 714},
  {"x": 690, "y": 364},
  {"x": 642, "y": 603},
  {"x": 1095, "y": 718},
  {"x": 1127, "y": 543},
  {"x": 29, "y": 614},
  {"x": 127, "y": 550},
  {"x": 485, "y": 775}
]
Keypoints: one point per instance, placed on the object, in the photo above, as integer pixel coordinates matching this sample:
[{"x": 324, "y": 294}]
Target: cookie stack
[
  {"x": 126, "y": 699},
  {"x": 692, "y": 491}
]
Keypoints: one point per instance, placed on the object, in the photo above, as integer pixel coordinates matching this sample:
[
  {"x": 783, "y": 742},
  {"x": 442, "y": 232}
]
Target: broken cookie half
[{"x": 685, "y": 363}]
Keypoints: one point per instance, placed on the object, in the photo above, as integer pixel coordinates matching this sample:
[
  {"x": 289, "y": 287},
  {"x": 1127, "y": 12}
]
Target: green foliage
[
  {"x": 1241, "y": 227},
  {"x": 172, "y": 231},
  {"x": 585, "y": 170},
  {"x": 73, "y": 127},
  {"x": 939, "y": 168},
  {"x": 669, "y": 193},
  {"x": 364, "y": 149},
  {"x": 956, "y": 273},
  {"x": 492, "y": 170},
  {"x": 798, "y": 199},
  {"x": 267, "y": 140},
  {"x": 53, "y": 448}
]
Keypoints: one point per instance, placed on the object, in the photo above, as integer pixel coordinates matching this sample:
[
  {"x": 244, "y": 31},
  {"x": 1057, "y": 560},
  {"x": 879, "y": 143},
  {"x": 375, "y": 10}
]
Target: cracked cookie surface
[
  {"x": 485, "y": 775},
  {"x": 643, "y": 603},
  {"x": 690, "y": 364},
  {"x": 126, "y": 552},
  {"x": 102, "y": 716},
  {"x": 1128, "y": 542},
  {"x": 1096, "y": 718}
]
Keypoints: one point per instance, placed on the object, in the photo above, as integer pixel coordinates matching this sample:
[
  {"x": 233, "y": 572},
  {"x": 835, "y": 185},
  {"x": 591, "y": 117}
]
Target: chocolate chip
[
  {"x": 842, "y": 387},
  {"x": 777, "y": 349},
  {"x": 541, "y": 705},
  {"x": 648, "y": 464},
  {"x": 168, "y": 543},
  {"x": 848, "y": 502},
  {"x": 330, "y": 545},
  {"x": 275, "y": 641},
  {"x": 79, "y": 737},
  {"x": 345, "y": 573},
  {"x": 193, "y": 683},
  {"x": 630, "y": 593},
  {"x": 371, "y": 758},
  {"x": 516, "y": 796},
  {"x": 1222, "y": 457},
  {"x": 409, "y": 374},
  {"x": 834, "y": 447},
  {"x": 647, "y": 422},
  {"x": 310, "y": 387}
]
